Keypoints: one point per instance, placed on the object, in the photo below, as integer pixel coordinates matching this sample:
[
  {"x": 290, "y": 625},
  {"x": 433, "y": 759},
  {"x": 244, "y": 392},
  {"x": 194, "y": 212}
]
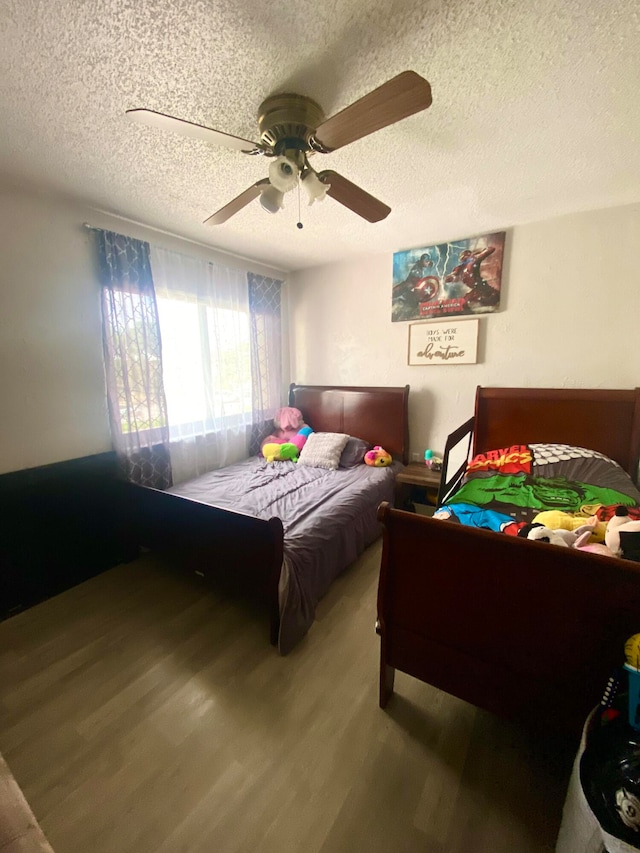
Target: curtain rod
[
  {"x": 90, "y": 227},
  {"x": 95, "y": 228}
]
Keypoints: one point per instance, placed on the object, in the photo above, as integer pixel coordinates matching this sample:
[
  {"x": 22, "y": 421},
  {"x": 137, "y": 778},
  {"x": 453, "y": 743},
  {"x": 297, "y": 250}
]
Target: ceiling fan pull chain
[{"x": 299, "y": 223}]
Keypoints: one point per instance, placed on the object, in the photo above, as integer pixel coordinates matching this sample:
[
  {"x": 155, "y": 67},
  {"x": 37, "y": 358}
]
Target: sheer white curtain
[
  {"x": 204, "y": 316},
  {"x": 266, "y": 353}
]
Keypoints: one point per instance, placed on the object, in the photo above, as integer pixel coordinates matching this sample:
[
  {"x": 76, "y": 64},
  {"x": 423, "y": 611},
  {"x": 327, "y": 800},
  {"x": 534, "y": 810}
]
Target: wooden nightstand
[{"x": 416, "y": 476}]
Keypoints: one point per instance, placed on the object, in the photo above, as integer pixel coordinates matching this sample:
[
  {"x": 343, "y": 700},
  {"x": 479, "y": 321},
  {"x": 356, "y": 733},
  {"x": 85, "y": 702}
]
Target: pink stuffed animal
[
  {"x": 378, "y": 457},
  {"x": 584, "y": 535},
  {"x": 290, "y": 428},
  {"x": 582, "y": 543}
]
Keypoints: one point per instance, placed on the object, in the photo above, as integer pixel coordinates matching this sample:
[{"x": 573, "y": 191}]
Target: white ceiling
[{"x": 536, "y": 112}]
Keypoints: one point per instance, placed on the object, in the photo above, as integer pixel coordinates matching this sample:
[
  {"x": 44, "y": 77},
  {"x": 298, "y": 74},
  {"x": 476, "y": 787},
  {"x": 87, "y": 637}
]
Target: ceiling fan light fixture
[
  {"x": 316, "y": 190},
  {"x": 293, "y": 125},
  {"x": 284, "y": 174},
  {"x": 271, "y": 198}
]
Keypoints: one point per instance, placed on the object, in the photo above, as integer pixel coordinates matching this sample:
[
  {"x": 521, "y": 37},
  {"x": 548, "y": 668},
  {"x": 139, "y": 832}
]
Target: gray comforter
[{"x": 329, "y": 518}]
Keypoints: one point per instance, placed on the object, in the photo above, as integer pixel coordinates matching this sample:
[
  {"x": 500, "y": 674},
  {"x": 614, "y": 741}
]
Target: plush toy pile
[
  {"x": 621, "y": 536},
  {"x": 558, "y": 520},
  {"x": 288, "y": 438}
]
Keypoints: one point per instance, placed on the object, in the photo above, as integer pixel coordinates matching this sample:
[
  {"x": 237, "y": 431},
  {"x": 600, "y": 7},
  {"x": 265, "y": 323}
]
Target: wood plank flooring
[{"x": 143, "y": 713}]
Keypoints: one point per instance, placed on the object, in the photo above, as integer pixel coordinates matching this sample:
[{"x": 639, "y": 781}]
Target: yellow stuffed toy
[
  {"x": 555, "y": 519},
  {"x": 273, "y": 452}
]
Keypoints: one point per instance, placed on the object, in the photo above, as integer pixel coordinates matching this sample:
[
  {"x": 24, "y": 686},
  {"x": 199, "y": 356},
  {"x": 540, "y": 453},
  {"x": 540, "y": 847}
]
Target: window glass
[{"x": 206, "y": 366}]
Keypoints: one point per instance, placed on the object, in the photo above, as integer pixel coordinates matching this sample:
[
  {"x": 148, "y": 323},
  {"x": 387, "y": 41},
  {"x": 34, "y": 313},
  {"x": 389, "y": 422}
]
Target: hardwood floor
[{"x": 141, "y": 712}]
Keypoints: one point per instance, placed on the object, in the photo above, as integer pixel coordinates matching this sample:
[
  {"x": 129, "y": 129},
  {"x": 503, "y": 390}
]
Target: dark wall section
[{"x": 59, "y": 525}]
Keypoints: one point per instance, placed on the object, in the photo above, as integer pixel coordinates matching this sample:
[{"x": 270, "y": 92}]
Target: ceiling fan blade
[
  {"x": 354, "y": 197},
  {"x": 236, "y": 204},
  {"x": 188, "y": 128},
  {"x": 402, "y": 96}
]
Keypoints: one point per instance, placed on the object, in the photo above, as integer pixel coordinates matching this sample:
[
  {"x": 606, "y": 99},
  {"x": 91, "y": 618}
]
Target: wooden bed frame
[
  {"x": 523, "y": 629},
  {"x": 243, "y": 553}
]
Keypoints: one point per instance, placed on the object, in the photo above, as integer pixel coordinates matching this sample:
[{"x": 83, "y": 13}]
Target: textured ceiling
[{"x": 536, "y": 112}]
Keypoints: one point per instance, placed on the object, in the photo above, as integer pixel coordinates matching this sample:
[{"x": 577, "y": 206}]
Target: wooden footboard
[
  {"x": 237, "y": 551},
  {"x": 524, "y": 629}
]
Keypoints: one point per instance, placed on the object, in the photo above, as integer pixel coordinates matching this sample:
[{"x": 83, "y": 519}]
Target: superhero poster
[{"x": 462, "y": 277}]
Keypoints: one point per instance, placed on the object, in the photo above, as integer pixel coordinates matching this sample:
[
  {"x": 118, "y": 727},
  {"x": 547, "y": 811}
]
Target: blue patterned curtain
[
  {"x": 133, "y": 359},
  {"x": 265, "y": 296}
]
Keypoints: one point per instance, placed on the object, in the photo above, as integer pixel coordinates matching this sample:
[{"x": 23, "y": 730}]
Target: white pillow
[{"x": 323, "y": 450}]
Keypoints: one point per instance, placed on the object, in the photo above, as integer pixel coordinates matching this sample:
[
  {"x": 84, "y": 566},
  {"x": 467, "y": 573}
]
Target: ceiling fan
[{"x": 292, "y": 128}]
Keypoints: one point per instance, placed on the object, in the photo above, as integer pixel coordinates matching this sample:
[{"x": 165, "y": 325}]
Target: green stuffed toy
[{"x": 277, "y": 452}]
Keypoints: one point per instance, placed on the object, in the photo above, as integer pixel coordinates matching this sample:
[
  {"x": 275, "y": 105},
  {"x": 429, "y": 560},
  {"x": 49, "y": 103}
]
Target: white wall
[
  {"x": 52, "y": 391},
  {"x": 569, "y": 317}
]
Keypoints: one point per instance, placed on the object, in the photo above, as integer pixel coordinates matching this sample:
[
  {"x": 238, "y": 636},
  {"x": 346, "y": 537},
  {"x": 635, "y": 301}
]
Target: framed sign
[
  {"x": 448, "y": 279},
  {"x": 451, "y": 342}
]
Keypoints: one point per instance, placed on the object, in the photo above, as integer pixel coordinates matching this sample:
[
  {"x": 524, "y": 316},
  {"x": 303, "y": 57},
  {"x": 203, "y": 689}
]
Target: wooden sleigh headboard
[
  {"x": 604, "y": 420},
  {"x": 377, "y": 415}
]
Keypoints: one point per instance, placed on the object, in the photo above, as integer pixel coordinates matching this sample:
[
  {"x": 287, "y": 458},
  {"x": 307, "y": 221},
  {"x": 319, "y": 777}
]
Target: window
[
  {"x": 206, "y": 366},
  {"x": 192, "y": 358},
  {"x": 135, "y": 368}
]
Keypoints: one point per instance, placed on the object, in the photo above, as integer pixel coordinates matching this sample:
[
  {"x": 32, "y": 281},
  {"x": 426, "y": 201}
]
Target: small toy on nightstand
[{"x": 433, "y": 462}]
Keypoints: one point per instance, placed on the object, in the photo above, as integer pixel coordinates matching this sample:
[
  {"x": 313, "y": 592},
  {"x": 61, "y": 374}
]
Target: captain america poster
[{"x": 448, "y": 279}]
